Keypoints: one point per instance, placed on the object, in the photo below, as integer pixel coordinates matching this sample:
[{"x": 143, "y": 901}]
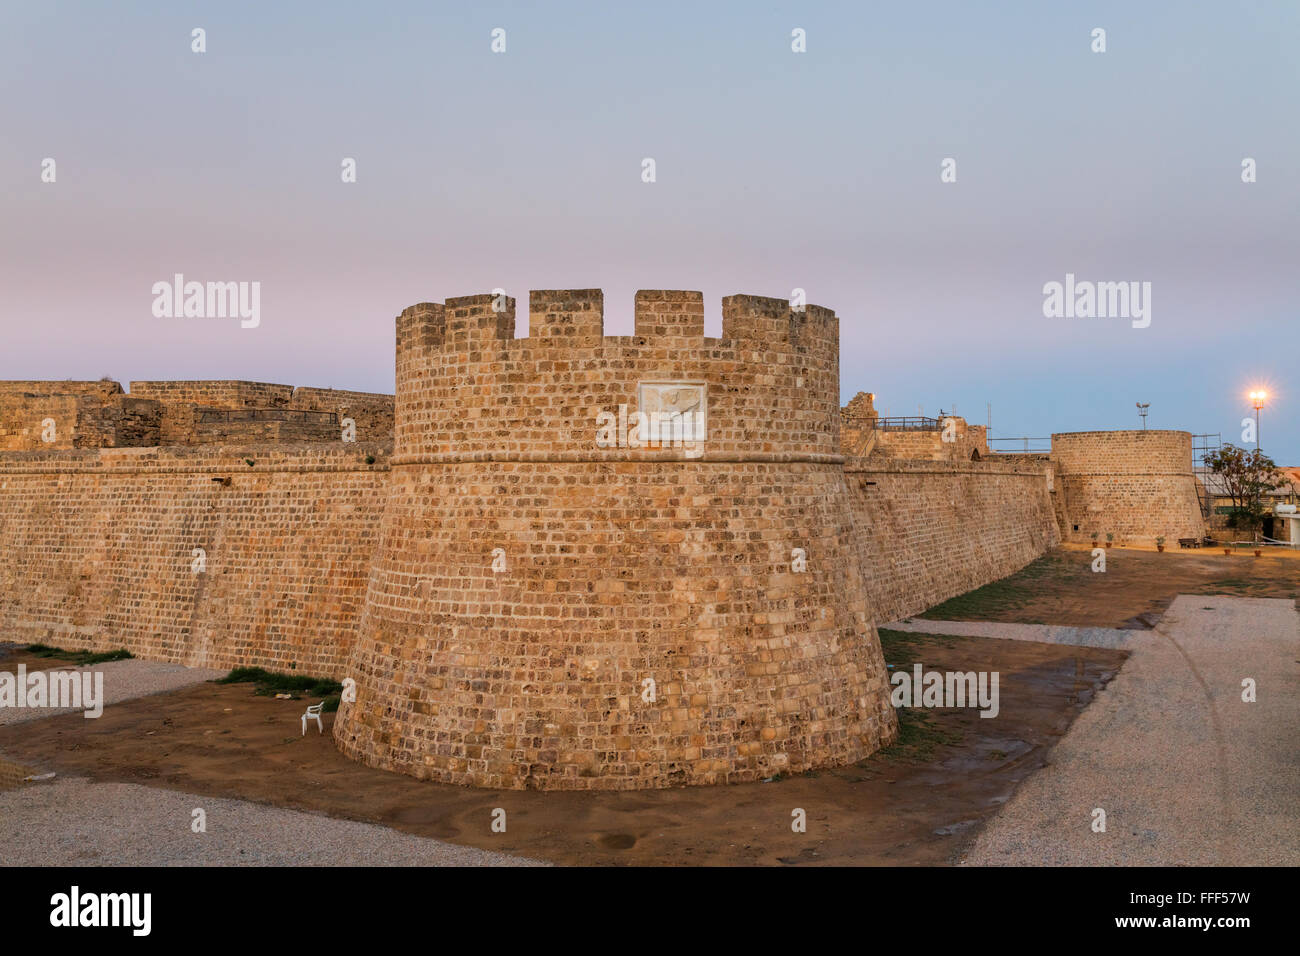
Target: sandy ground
[
  {"x": 919, "y": 803},
  {"x": 73, "y": 822},
  {"x": 1186, "y": 772}
]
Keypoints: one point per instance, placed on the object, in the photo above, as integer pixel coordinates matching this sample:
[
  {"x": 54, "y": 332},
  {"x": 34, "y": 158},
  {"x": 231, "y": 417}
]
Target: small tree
[{"x": 1246, "y": 475}]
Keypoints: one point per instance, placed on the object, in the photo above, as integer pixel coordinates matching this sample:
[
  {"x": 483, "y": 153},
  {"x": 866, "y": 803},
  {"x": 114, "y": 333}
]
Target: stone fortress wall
[
  {"x": 1136, "y": 485},
  {"x": 933, "y": 530},
  {"x": 101, "y": 415},
  {"x": 619, "y": 565},
  {"x": 98, "y": 550},
  {"x": 502, "y": 587}
]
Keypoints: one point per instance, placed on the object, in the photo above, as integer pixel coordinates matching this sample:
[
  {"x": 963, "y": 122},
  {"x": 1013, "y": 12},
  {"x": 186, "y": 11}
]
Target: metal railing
[
  {"x": 916, "y": 423},
  {"x": 1020, "y": 446}
]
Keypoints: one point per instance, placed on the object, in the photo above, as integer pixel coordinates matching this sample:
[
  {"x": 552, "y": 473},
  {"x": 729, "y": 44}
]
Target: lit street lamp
[{"x": 1257, "y": 399}]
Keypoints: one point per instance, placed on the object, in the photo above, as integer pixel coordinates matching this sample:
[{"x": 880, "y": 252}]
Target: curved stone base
[{"x": 647, "y": 629}]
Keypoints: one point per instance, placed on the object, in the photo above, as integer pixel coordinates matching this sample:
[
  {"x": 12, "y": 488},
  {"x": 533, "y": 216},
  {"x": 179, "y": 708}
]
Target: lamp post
[
  {"x": 1257, "y": 399},
  {"x": 1142, "y": 410}
]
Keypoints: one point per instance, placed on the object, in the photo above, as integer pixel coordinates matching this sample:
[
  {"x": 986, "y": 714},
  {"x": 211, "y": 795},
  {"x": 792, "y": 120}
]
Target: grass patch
[
  {"x": 1243, "y": 587},
  {"x": 269, "y": 683},
  {"x": 918, "y": 736},
  {"x": 1014, "y": 592},
  {"x": 902, "y": 649},
  {"x": 80, "y": 658}
]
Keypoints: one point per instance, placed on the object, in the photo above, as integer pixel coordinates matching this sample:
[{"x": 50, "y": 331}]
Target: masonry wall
[
  {"x": 618, "y": 564},
  {"x": 968, "y": 441},
  {"x": 930, "y": 531},
  {"x": 184, "y": 401},
  {"x": 259, "y": 431},
  {"x": 102, "y": 388},
  {"x": 217, "y": 393},
  {"x": 1136, "y": 485},
  {"x": 372, "y": 412},
  {"x": 79, "y": 419},
  {"x": 96, "y": 551},
  {"x": 857, "y": 422},
  {"x": 22, "y": 416}
]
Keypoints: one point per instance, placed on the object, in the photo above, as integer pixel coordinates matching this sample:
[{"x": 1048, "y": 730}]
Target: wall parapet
[
  {"x": 465, "y": 383},
  {"x": 926, "y": 466}
]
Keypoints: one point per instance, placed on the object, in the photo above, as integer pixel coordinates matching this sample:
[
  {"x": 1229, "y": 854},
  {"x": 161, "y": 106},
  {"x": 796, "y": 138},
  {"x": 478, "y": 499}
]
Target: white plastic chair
[{"x": 313, "y": 713}]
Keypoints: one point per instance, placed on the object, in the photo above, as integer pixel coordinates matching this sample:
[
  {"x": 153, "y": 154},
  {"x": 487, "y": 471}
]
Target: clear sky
[{"x": 775, "y": 170}]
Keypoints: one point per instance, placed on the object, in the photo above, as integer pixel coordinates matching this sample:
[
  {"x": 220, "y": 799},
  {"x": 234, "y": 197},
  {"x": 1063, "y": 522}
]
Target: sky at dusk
[{"x": 775, "y": 170}]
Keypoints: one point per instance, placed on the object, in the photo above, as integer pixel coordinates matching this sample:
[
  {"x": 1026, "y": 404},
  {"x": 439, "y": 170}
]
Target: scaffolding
[{"x": 1202, "y": 447}]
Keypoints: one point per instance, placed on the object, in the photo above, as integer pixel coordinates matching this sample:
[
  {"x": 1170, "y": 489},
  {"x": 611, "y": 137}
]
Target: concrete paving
[
  {"x": 73, "y": 822},
  {"x": 1109, "y": 637},
  {"x": 1185, "y": 770}
]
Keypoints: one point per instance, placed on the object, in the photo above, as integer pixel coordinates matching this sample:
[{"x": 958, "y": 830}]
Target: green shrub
[
  {"x": 81, "y": 658},
  {"x": 269, "y": 683}
]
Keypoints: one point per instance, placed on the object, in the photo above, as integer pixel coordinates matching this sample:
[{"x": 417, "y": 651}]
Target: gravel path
[
  {"x": 123, "y": 680},
  {"x": 1187, "y": 773},
  {"x": 73, "y": 822},
  {"x": 1108, "y": 637}
]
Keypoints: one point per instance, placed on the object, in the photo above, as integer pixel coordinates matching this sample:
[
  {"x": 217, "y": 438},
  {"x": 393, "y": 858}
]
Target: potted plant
[
  {"x": 1160, "y": 543},
  {"x": 1095, "y": 535},
  {"x": 1109, "y": 538},
  {"x": 1258, "y": 552},
  {"x": 1227, "y": 551}
]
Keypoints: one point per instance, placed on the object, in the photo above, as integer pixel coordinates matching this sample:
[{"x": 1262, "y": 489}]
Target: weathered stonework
[
  {"x": 933, "y": 530},
  {"x": 525, "y": 595},
  {"x": 1136, "y": 485},
  {"x": 100, "y": 415},
  {"x": 55, "y": 415},
  {"x": 863, "y": 434},
  {"x": 97, "y": 551},
  {"x": 621, "y": 565}
]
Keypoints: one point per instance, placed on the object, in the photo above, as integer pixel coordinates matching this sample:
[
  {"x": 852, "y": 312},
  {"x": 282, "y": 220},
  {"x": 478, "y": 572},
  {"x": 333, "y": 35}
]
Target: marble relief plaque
[{"x": 677, "y": 412}]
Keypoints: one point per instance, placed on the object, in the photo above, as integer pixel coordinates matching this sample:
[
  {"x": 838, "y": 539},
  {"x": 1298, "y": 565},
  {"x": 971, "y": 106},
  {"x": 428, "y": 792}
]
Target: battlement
[
  {"x": 569, "y": 317},
  {"x": 466, "y": 385}
]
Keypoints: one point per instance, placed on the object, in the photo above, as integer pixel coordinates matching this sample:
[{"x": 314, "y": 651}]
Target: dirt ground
[
  {"x": 921, "y": 802},
  {"x": 1135, "y": 589}
]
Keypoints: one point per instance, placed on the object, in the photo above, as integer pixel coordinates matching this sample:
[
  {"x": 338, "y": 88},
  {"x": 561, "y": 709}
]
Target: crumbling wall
[{"x": 89, "y": 415}]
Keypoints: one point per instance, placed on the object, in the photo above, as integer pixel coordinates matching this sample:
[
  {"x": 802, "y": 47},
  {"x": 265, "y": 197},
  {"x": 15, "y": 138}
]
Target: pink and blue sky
[{"x": 775, "y": 170}]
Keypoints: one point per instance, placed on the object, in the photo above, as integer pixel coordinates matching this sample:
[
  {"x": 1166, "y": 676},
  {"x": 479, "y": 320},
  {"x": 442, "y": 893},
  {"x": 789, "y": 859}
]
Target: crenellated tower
[{"x": 616, "y": 562}]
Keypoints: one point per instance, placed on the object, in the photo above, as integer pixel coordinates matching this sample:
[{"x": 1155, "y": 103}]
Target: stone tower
[{"x": 559, "y": 603}]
